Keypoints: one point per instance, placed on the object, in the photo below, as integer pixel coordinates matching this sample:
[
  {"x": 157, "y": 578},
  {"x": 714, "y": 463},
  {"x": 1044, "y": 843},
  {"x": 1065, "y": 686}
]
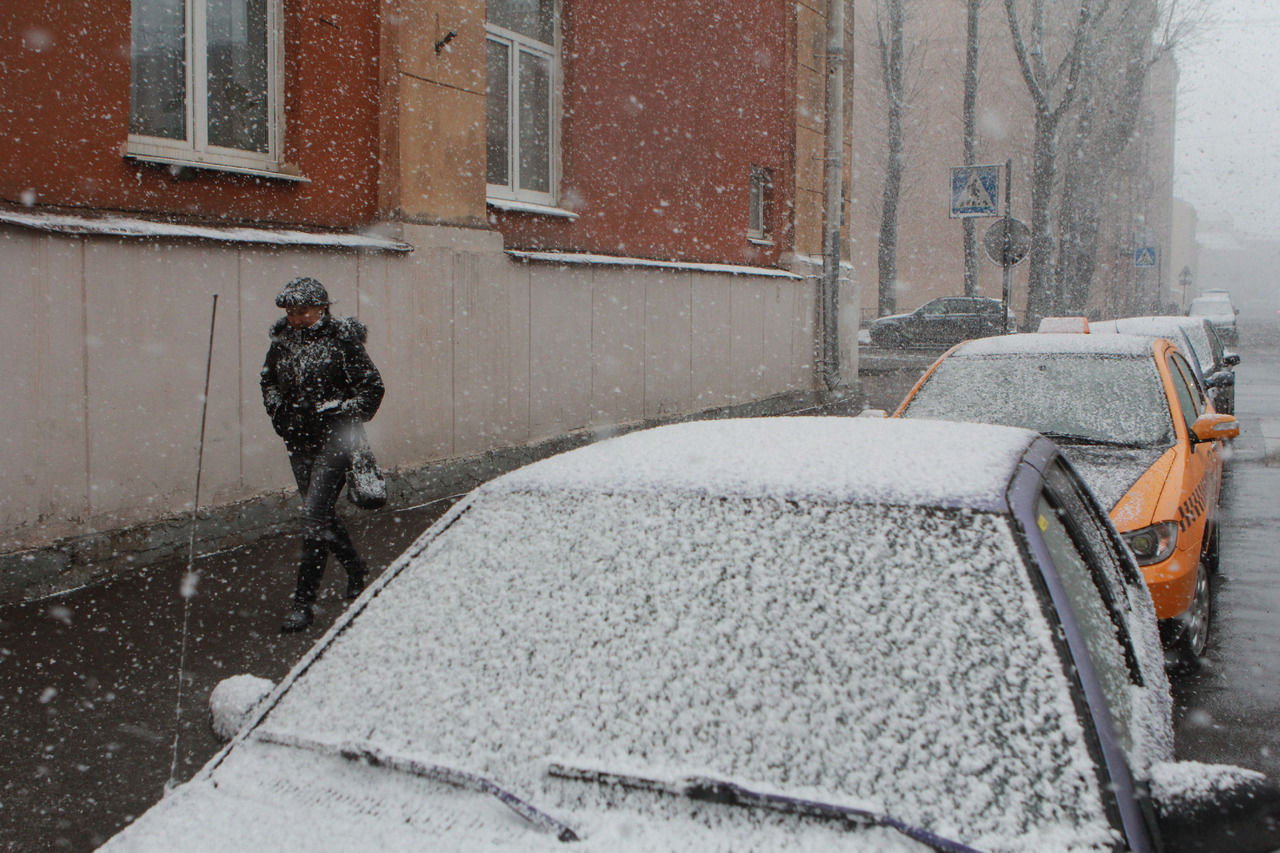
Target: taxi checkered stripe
[{"x": 1192, "y": 507}]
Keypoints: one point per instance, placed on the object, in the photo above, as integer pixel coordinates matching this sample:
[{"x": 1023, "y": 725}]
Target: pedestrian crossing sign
[
  {"x": 975, "y": 191},
  {"x": 1144, "y": 256}
]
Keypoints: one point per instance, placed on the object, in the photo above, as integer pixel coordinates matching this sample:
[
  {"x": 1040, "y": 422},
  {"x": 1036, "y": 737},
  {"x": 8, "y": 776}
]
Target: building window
[
  {"x": 760, "y": 204},
  {"x": 205, "y": 83},
  {"x": 522, "y": 70}
]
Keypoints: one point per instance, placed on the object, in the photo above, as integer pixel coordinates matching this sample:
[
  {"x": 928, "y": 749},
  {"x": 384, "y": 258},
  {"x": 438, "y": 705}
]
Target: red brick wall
[
  {"x": 64, "y": 118},
  {"x": 667, "y": 105}
]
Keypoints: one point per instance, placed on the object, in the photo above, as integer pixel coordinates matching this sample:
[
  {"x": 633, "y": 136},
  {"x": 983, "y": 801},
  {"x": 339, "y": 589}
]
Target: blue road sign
[
  {"x": 975, "y": 191},
  {"x": 1144, "y": 256}
]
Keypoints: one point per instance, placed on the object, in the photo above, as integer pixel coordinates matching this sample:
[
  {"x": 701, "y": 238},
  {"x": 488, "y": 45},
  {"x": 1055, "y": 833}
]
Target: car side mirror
[
  {"x": 233, "y": 701},
  {"x": 1230, "y": 359},
  {"x": 1214, "y": 427},
  {"x": 1203, "y": 807}
]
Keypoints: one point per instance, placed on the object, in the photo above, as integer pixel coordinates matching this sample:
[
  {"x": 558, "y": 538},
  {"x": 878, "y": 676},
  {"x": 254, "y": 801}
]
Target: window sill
[
  {"x": 759, "y": 241},
  {"x": 286, "y": 172},
  {"x": 530, "y": 207}
]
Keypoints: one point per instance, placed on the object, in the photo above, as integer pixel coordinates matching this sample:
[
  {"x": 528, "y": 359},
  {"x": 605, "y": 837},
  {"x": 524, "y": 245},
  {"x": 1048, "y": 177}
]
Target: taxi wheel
[
  {"x": 1211, "y": 554},
  {"x": 1191, "y": 644}
]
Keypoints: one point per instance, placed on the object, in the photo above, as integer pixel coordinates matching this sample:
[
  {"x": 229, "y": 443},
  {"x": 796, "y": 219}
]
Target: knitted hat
[{"x": 302, "y": 292}]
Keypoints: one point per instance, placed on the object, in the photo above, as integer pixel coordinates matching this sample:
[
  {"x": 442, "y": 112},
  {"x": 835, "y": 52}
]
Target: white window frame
[
  {"x": 515, "y": 44},
  {"x": 196, "y": 150},
  {"x": 759, "y": 205}
]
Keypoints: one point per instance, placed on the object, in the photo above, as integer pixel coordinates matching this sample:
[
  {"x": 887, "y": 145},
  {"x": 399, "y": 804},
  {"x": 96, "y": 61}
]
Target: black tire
[
  {"x": 1212, "y": 559},
  {"x": 1193, "y": 640}
]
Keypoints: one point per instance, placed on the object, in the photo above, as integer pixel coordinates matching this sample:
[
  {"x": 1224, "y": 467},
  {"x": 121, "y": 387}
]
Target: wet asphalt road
[
  {"x": 1230, "y": 711},
  {"x": 88, "y": 680},
  {"x": 89, "y": 684}
]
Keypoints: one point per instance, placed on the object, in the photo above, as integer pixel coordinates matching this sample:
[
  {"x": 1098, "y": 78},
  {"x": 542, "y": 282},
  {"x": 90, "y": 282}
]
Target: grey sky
[{"x": 1228, "y": 130}]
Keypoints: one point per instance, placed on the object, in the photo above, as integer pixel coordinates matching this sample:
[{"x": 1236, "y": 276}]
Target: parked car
[
  {"x": 1199, "y": 341},
  {"x": 1131, "y": 417},
  {"x": 785, "y": 633},
  {"x": 942, "y": 322},
  {"x": 1217, "y": 307}
]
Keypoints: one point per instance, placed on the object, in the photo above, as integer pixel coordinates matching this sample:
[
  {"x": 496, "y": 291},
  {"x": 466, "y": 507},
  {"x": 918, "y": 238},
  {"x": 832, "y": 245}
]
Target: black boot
[
  {"x": 310, "y": 570},
  {"x": 299, "y": 617},
  {"x": 342, "y": 547},
  {"x": 356, "y": 573}
]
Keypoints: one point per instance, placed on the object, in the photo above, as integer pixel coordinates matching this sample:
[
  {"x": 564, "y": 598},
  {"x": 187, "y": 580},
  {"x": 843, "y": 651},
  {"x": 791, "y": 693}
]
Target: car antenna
[{"x": 191, "y": 577}]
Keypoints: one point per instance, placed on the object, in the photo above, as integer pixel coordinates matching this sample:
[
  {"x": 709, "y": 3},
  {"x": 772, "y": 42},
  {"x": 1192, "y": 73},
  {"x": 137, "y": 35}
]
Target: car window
[
  {"x": 1215, "y": 345},
  {"x": 1086, "y": 590},
  {"x": 1188, "y": 393},
  {"x": 1088, "y": 397},
  {"x": 1201, "y": 340},
  {"x": 933, "y": 308}
]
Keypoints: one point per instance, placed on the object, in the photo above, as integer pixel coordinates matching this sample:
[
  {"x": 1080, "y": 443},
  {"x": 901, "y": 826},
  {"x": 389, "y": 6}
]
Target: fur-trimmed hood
[{"x": 347, "y": 329}]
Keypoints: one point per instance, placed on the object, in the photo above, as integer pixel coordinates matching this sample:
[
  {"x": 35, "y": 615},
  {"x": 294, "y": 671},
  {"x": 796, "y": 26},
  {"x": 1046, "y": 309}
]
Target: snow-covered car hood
[
  {"x": 271, "y": 797},
  {"x": 671, "y": 645},
  {"x": 1111, "y": 473}
]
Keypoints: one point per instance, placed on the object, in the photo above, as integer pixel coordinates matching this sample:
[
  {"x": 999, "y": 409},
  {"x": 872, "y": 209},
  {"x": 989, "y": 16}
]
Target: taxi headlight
[{"x": 1153, "y": 544}]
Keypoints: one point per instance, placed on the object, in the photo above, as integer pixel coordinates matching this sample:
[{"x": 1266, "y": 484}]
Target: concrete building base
[{"x": 74, "y": 562}]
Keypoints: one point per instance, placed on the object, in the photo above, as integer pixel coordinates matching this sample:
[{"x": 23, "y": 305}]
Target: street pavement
[
  {"x": 89, "y": 679},
  {"x": 1230, "y": 711}
]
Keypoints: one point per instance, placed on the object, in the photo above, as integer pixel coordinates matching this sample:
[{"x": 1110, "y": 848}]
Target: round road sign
[{"x": 1007, "y": 253}]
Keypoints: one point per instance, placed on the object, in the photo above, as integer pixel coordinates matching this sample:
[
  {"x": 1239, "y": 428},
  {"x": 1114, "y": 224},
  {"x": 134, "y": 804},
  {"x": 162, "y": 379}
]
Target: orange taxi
[{"x": 1129, "y": 415}]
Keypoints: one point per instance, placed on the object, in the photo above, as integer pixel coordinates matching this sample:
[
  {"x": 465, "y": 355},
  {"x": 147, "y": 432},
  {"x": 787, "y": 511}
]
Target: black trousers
[{"x": 321, "y": 473}]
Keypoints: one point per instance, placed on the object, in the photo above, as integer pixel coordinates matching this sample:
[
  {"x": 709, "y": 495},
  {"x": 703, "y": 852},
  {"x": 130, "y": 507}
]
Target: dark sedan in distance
[{"x": 943, "y": 322}]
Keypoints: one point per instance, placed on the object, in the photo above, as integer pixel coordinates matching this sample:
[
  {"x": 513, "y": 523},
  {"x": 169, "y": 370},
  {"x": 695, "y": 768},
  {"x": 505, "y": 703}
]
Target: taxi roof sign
[{"x": 1064, "y": 325}]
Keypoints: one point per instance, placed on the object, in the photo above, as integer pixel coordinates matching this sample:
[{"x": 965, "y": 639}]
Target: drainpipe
[{"x": 833, "y": 195}]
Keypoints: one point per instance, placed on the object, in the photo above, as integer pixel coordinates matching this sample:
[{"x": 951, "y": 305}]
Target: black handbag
[{"x": 366, "y": 487}]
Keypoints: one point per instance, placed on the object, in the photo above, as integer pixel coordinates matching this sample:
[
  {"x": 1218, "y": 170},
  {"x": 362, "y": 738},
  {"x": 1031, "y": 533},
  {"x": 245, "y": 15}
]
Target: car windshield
[
  {"x": 784, "y": 645},
  {"x": 1210, "y": 308},
  {"x": 1083, "y": 397}
]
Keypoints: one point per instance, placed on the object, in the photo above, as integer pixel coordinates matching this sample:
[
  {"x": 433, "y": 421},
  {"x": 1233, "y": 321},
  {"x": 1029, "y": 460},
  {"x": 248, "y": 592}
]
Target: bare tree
[
  {"x": 1054, "y": 88},
  {"x": 1133, "y": 37}
]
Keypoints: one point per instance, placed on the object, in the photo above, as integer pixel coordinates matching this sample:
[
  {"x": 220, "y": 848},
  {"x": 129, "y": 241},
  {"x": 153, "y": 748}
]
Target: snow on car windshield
[
  {"x": 895, "y": 656},
  {"x": 1092, "y": 397},
  {"x": 1210, "y": 308}
]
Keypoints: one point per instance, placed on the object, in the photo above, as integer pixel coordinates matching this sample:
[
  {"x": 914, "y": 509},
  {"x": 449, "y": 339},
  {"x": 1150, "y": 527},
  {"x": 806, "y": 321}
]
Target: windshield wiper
[
  {"x": 370, "y": 754},
  {"x": 709, "y": 789},
  {"x": 1089, "y": 439}
]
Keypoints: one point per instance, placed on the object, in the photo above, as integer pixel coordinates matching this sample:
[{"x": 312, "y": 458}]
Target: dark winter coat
[{"x": 317, "y": 379}]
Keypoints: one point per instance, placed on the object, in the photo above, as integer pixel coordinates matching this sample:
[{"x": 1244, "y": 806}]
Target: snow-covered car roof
[
  {"x": 1174, "y": 327},
  {"x": 821, "y": 458},
  {"x": 1053, "y": 342}
]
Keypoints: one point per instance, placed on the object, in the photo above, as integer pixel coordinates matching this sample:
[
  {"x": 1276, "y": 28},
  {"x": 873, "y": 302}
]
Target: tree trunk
[
  {"x": 970, "y": 139},
  {"x": 1040, "y": 274},
  {"x": 892, "y": 60}
]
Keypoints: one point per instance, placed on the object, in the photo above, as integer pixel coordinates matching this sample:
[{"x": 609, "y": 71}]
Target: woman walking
[{"x": 318, "y": 382}]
